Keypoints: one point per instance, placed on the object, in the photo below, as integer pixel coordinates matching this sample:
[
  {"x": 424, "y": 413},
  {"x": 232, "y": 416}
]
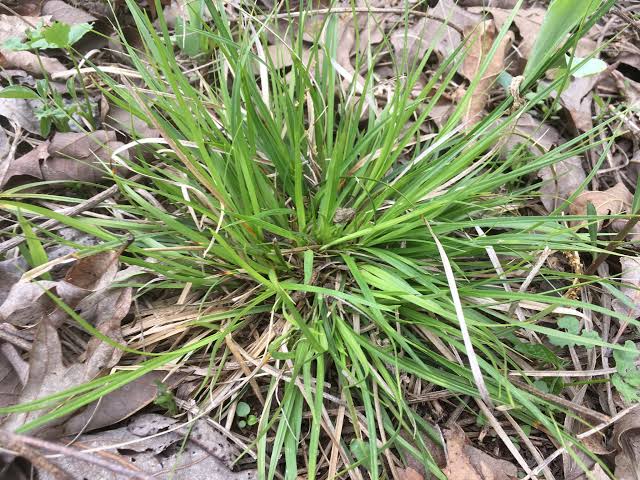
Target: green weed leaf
[
  {"x": 627, "y": 378},
  {"x": 243, "y": 409}
]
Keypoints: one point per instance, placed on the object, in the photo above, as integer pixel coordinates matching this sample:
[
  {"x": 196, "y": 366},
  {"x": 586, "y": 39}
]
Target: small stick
[
  {"x": 579, "y": 409},
  {"x": 20, "y": 443},
  {"x": 70, "y": 212}
]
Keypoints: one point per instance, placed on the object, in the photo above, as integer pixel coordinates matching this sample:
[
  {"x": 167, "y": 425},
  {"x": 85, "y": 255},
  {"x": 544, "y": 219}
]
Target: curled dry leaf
[
  {"x": 68, "y": 156},
  {"x": 613, "y": 201},
  {"x": 48, "y": 373},
  {"x": 466, "y": 461},
  {"x": 16, "y": 27},
  {"x": 30, "y": 62},
  {"x": 27, "y": 165},
  {"x": 630, "y": 277},
  {"x": 481, "y": 39},
  {"x": 207, "y": 455},
  {"x": 626, "y": 439}
]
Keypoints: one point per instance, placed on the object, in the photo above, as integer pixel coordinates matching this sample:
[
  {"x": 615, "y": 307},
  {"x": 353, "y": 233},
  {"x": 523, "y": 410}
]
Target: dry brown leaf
[
  {"x": 10, "y": 272},
  {"x": 63, "y": 12},
  {"x": 22, "y": 112},
  {"x": 16, "y": 27},
  {"x": 207, "y": 455},
  {"x": 527, "y": 20},
  {"x": 68, "y": 156},
  {"x": 559, "y": 180},
  {"x": 613, "y": 201},
  {"x": 26, "y": 303},
  {"x": 48, "y": 373},
  {"x": 488, "y": 3},
  {"x": 428, "y": 32},
  {"x": 626, "y": 439},
  {"x": 468, "y": 463},
  {"x": 80, "y": 156},
  {"x": 5, "y": 146},
  {"x": 133, "y": 126},
  {"x": 30, "y": 62},
  {"x": 577, "y": 99},
  {"x": 121, "y": 403},
  {"x": 10, "y": 384},
  {"x": 481, "y": 39},
  {"x": 98, "y": 8},
  {"x": 27, "y": 165}
]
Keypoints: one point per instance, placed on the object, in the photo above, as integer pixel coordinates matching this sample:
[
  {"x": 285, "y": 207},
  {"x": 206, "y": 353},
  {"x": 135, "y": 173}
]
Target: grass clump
[{"x": 342, "y": 247}]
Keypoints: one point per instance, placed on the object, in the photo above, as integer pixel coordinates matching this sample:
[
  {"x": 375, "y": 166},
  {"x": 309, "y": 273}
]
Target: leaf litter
[{"x": 87, "y": 286}]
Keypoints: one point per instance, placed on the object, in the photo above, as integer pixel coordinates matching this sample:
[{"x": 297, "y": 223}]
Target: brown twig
[
  {"x": 69, "y": 212},
  {"x": 12, "y": 443},
  {"x": 21, "y": 443},
  {"x": 579, "y": 409},
  {"x": 627, "y": 18}
]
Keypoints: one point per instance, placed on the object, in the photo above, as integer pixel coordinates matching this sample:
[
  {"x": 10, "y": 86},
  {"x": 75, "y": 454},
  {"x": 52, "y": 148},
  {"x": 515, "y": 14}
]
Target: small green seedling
[
  {"x": 571, "y": 325},
  {"x": 243, "y": 411},
  {"x": 57, "y": 35},
  {"x": 360, "y": 451},
  {"x": 165, "y": 399},
  {"x": 627, "y": 378}
]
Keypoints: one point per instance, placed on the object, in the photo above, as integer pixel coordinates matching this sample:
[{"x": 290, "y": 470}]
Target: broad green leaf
[
  {"x": 17, "y": 91},
  {"x": 591, "y": 66},
  {"x": 562, "y": 16}
]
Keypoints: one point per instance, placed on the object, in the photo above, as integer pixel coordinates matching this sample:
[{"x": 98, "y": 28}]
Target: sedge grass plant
[{"x": 351, "y": 257}]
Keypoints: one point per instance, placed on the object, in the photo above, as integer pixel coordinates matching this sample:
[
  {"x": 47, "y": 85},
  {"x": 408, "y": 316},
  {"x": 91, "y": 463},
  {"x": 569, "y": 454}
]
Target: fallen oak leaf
[
  {"x": 444, "y": 35},
  {"x": 527, "y": 20},
  {"x": 80, "y": 156},
  {"x": 577, "y": 100},
  {"x": 27, "y": 165},
  {"x": 12, "y": 27}
]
